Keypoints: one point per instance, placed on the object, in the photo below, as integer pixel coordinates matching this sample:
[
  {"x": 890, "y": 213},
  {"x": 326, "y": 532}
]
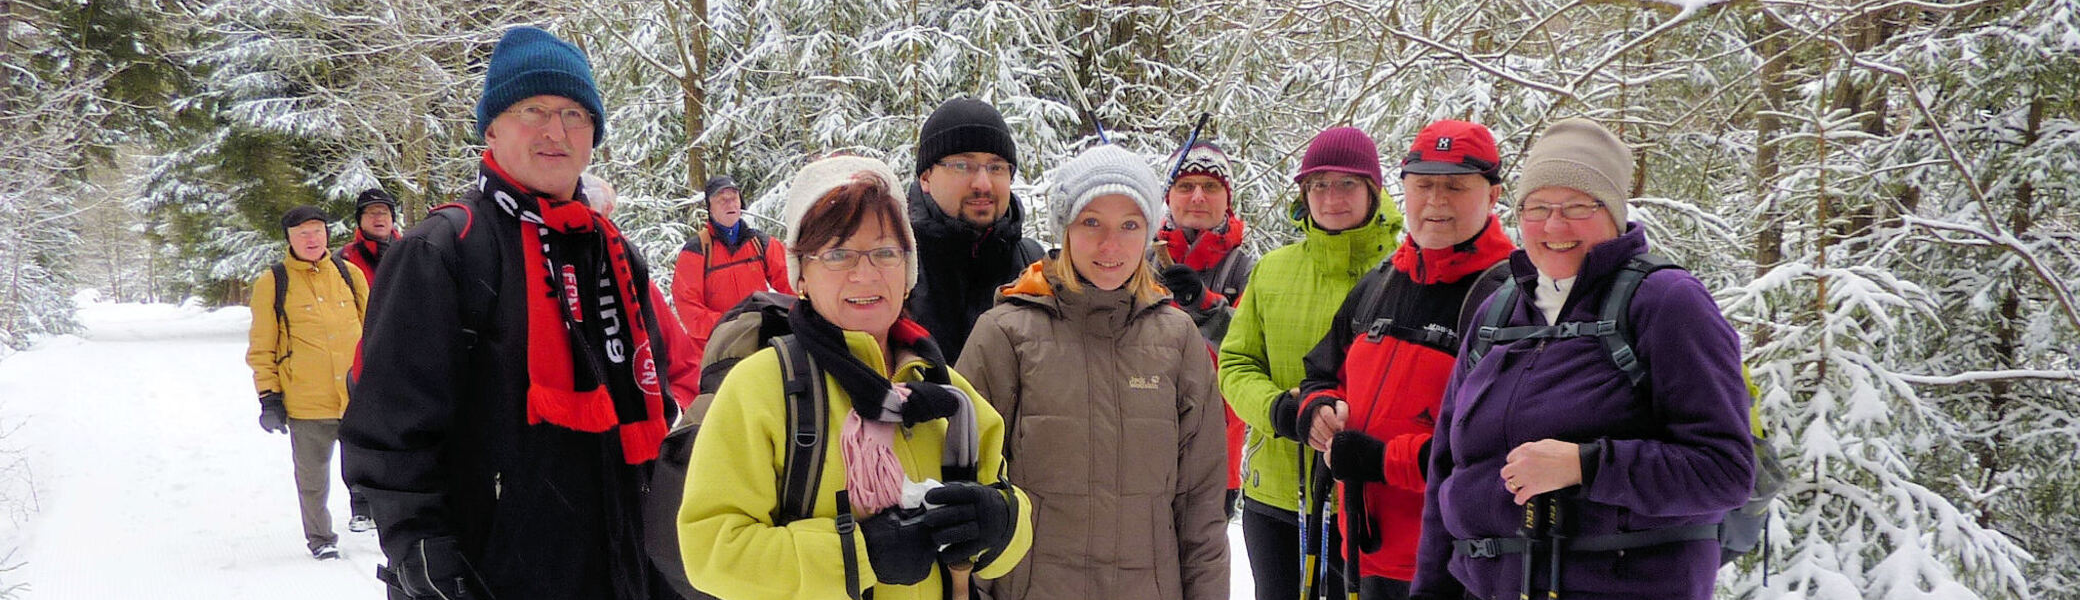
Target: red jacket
[
  {"x": 1390, "y": 362},
  {"x": 367, "y": 253},
  {"x": 712, "y": 276}
]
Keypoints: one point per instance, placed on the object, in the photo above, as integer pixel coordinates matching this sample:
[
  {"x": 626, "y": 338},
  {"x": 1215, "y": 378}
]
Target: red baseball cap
[{"x": 1452, "y": 147}]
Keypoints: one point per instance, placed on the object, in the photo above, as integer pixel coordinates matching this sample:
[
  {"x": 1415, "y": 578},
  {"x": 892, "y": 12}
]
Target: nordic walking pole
[
  {"x": 1534, "y": 520},
  {"x": 1189, "y": 140},
  {"x": 1557, "y": 521},
  {"x": 1322, "y": 485},
  {"x": 1357, "y": 527},
  {"x": 1306, "y": 557}
]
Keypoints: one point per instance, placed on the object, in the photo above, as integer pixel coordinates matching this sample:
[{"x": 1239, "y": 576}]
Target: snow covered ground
[{"x": 151, "y": 478}]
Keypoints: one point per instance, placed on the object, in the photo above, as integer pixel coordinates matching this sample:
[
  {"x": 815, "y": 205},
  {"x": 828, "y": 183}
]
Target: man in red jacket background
[{"x": 728, "y": 261}]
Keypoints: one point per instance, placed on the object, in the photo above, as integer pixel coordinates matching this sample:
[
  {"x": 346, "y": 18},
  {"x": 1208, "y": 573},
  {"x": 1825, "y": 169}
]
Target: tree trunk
[
  {"x": 1769, "y": 238},
  {"x": 696, "y": 95}
]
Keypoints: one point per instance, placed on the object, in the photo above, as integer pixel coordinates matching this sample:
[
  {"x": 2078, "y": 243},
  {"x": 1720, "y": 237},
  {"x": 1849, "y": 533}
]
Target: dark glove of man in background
[{"x": 274, "y": 416}]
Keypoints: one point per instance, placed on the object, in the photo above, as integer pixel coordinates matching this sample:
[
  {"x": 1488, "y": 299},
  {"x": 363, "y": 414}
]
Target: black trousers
[
  {"x": 1272, "y": 537},
  {"x": 1381, "y": 588}
]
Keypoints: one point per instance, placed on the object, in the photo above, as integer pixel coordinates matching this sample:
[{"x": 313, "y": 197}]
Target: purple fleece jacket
[{"x": 1680, "y": 457}]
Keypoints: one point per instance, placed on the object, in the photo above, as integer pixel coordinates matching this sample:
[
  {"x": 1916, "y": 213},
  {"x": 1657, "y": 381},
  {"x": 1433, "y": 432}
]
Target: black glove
[
  {"x": 274, "y": 416},
  {"x": 971, "y": 521},
  {"x": 1356, "y": 457},
  {"x": 434, "y": 568},
  {"x": 931, "y": 401},
  {"x": 1285, "y": 417},
  {"x": 1184, "y": 285},
  {"x": 899, "y": 545}
]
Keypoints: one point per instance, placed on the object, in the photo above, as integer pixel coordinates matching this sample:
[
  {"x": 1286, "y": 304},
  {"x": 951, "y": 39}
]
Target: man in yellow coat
[{"x": 306, "y": 324}]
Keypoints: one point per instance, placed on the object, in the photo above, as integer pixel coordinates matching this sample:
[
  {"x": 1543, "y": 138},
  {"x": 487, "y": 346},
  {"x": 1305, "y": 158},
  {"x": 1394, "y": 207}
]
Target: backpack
[
  {"x": 281, "y": 294},
  {"x": 701, "y": 244},
  {"x": 758, "y": 322},
  {"x": 1745, "y": 527}
]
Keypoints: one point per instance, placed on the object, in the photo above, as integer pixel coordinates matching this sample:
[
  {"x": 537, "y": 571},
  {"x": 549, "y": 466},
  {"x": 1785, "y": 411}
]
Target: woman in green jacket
[
  {"x": 881, "y": 458},
  {"x": 1350, "y": 227}
]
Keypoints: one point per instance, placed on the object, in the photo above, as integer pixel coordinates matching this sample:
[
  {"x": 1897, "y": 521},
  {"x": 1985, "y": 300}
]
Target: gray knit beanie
[
  {"x": 1105, "y": 170},
  {"x": 1579, "y": 154},
  {"x": 820, "y": 178}
]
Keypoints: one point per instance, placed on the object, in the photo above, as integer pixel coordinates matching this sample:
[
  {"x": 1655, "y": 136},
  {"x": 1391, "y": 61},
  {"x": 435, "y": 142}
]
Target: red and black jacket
[
  {"x": 367, "y": 253},
  {"x": 1388, "y": 354}
]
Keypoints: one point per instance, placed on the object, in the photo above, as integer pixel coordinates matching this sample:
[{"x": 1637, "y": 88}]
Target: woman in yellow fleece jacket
[{"x": 846, "y": 215}]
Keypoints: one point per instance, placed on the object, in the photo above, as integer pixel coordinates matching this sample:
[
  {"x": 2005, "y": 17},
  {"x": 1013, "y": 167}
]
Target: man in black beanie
[
  {"x": 375, "y": 226},
  {"x": 970, "y": 228}
]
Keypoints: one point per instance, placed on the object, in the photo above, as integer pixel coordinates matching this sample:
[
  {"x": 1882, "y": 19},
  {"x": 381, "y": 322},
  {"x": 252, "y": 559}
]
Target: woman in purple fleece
[{"x": 1639, "y": 475}]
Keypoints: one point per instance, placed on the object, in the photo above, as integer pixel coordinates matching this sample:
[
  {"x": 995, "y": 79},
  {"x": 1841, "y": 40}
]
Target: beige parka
[{"x": 1116, "y": 431}]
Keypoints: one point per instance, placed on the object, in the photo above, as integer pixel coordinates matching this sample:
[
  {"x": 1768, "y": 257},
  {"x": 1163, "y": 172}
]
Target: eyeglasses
[
  {"x": 1204, "y": 187},
  {"x": 844, "y": 259},
  {"x": 536, "y": 115},
  {"x": 1340, "y": 186},
  {"x": 1573, "y": 212},
  {"x": 996, "y": 170}
]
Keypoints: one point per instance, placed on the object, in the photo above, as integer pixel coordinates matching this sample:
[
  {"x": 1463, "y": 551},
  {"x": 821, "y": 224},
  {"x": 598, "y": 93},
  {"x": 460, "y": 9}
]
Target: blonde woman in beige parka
[{"x": 1115, "y": 428}]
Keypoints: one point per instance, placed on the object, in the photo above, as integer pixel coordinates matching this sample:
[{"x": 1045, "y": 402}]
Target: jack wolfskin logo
[
  {"x": 1145, "y": 383},
  {"x": 1444, "y": 144}
]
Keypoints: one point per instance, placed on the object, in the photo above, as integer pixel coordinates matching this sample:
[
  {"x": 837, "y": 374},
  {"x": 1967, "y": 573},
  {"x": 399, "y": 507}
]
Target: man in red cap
[{"x": 1374, "y": 382}]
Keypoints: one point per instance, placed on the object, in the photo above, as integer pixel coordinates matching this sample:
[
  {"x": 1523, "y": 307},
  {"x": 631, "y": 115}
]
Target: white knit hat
[
  {"x": 1101, "y": 171},
  {"x": 820, "y": 178}
]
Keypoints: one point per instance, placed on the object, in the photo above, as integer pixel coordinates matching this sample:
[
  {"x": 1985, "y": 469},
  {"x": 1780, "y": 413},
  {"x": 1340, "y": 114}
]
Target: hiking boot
[
  {"x": 361, "y": 523},
  {"x": 325, "y": 552}
]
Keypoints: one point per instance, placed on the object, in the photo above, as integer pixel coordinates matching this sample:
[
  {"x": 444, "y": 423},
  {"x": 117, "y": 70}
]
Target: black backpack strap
[
  {"x": 758, "y": 247},
  {"x": 1616, "y": 310},
  {"x": 281, "y": 313},
  {"x": 478, "y": 296},
  {"x": 1491, "y": 320},
  {"x": 1484, "y": 284},
  {"x": 807, "y": 416},
  {"x": 341, "y": 264}
]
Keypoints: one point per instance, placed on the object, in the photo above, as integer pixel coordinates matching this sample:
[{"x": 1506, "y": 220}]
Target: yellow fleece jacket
[{"x": 731, "y": 547}]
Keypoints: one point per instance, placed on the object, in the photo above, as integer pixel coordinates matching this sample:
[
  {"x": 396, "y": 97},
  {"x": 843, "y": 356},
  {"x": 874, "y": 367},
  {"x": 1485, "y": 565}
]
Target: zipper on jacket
[{"x": 498, "y": 488}]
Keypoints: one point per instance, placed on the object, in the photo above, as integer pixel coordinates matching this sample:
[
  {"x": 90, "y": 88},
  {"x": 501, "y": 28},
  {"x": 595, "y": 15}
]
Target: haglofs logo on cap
[{"x": 1444, "y": 144}]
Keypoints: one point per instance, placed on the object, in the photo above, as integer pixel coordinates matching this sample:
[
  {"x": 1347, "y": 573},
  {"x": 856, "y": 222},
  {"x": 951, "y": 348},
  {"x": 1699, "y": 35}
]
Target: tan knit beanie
[{"x": 1581, "y": 155}]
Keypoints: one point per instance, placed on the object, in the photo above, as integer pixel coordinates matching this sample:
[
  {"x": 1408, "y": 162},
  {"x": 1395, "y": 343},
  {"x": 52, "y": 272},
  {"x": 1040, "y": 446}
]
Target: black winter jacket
[
  {"x": 960, "y": 267},
  {"x": 437, "y": 436}
]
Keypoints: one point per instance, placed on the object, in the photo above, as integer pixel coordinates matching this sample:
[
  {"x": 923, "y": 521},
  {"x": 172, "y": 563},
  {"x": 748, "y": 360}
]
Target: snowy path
[{"x": 152, "y": 479}]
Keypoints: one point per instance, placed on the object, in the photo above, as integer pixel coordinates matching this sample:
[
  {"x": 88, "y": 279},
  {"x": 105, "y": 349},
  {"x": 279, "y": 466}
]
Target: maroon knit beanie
[{"x": 1343, "y": 150}]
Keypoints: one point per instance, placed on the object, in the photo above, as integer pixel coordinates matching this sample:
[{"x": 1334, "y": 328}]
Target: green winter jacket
[{"x": 1293, "y": 293}]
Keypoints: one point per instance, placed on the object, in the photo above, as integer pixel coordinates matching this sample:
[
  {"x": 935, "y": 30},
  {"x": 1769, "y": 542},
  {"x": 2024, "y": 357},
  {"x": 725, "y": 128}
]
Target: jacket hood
[
  {"x": 1351, "y": 252},
  {"x": 1036, "y": 288},
  {"x": 1462, "y": 259},
  {"x": 932, "y": 222}
]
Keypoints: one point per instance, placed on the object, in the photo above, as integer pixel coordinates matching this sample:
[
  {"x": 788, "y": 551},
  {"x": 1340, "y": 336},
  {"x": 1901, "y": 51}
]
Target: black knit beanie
[{"x": 964, "y": 125}]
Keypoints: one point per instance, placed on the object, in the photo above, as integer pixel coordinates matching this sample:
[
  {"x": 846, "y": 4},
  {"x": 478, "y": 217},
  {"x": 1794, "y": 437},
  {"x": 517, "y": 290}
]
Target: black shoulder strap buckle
[{"x": 807, "y": 411}]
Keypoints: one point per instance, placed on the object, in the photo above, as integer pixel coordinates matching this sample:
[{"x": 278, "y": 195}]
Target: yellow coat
[
  {"x": 726, "y": 532},
  {"x": 309, "y": 363}
]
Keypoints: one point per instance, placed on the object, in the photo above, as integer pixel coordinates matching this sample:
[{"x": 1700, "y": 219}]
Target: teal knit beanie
[{"x": 529, "y": 62}]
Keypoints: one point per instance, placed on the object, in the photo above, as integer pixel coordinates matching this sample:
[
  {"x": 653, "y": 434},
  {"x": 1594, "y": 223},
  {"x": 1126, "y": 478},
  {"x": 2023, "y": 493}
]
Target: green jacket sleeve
[{"x": 1245, "y": 367}]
